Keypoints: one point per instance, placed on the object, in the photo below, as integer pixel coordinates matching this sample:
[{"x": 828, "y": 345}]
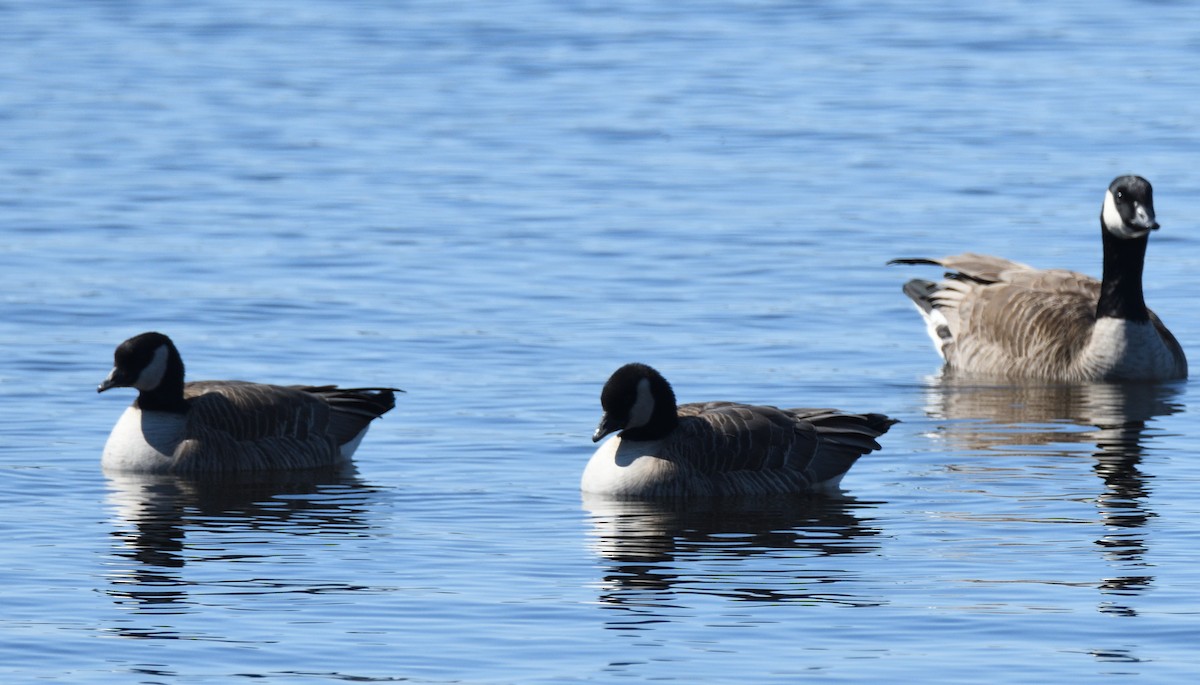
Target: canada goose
[
  {"x": 996, "y": 317},
  {"x": 226, "y": 426},
  {"x": 718, "y": 448}
]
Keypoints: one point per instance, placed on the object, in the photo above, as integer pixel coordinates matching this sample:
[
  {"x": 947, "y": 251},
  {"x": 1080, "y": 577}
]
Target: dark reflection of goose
[
  {"x": 775, "y": 549},
  {"x": 1112, "y": 417},
  {"x": 156, "y": 513}
]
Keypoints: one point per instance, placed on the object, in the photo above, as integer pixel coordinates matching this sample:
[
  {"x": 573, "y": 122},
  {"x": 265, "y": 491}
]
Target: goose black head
[
  {"x": 145, "y": 362},
  {"x": 638, "y": 401},
  {"x": 1129, "y": 208}
]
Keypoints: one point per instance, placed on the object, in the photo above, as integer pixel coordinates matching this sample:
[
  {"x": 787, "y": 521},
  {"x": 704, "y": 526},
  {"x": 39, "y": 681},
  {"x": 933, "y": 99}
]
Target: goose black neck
[
  {"x": 1121, "y": 289},
  {"x": 662, "y": 421},
  {"x": 168, "y": 396}
]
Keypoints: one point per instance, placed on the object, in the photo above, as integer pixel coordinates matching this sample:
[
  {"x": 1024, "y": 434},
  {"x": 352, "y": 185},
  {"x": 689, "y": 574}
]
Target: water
[{"x": 495, "y": 209}]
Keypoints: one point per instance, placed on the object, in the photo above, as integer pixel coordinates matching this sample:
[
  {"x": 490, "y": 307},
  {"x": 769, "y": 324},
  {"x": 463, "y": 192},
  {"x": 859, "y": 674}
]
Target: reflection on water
[
  {"x": 156, "y": 514},
  {"x": 655, "y": 552},
  {"x": 1111, "y": 417}
]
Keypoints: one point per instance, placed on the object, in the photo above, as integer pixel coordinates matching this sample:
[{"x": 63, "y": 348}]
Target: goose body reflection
[
  {"x": 988, "y": 411},
  {"x": 1113, "y": 418},
  {"x": 738, "y": 548},
  {"x": 160, "y": 519}
]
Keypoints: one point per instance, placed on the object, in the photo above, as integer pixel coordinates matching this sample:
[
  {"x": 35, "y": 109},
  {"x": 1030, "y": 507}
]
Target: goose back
[{"x": 1004, "y": 317}]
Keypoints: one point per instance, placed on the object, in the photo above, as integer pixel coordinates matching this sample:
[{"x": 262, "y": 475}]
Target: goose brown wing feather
[
  {"x": 265, "y": 427},
  {"x": 1002, "y": 313},
  {"x": 980, "y": 267},
  {"x": 254, "y": 411},
  {"x": 1030, "y": 317},
  {"x": 749, "y": 449},
  {"x": 351, "y": 409}
]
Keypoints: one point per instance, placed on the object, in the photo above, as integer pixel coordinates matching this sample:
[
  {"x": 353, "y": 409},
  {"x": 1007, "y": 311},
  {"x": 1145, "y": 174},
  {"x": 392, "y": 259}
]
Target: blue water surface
[{"x": 495, "y": 207}]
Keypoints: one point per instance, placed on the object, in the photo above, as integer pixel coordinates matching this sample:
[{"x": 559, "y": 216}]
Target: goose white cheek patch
[
  {"x": 1115, "y": 224},
  {"x": 152, "y": 375},
  {"x": 643, "y": 406}
]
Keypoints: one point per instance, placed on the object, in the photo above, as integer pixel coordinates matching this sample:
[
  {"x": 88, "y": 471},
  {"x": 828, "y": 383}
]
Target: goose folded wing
[
  {"x": 1040, "y": 316},
  {"x": 254, "y": 411},
  {"x": 728, "y": 437}
]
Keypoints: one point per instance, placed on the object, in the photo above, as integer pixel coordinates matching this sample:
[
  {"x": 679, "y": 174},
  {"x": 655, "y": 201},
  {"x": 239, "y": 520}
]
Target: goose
[
  {"x": 228, "y": 426},
  {"x": 711, "y": 449},
  {"x": 995, "y": 317}
]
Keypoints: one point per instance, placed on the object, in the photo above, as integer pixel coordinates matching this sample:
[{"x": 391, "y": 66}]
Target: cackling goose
[
  {"x": 718, "y": 448},
  {"x": 227, "y": 426},
  {"x": 995, "y": 317}
]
